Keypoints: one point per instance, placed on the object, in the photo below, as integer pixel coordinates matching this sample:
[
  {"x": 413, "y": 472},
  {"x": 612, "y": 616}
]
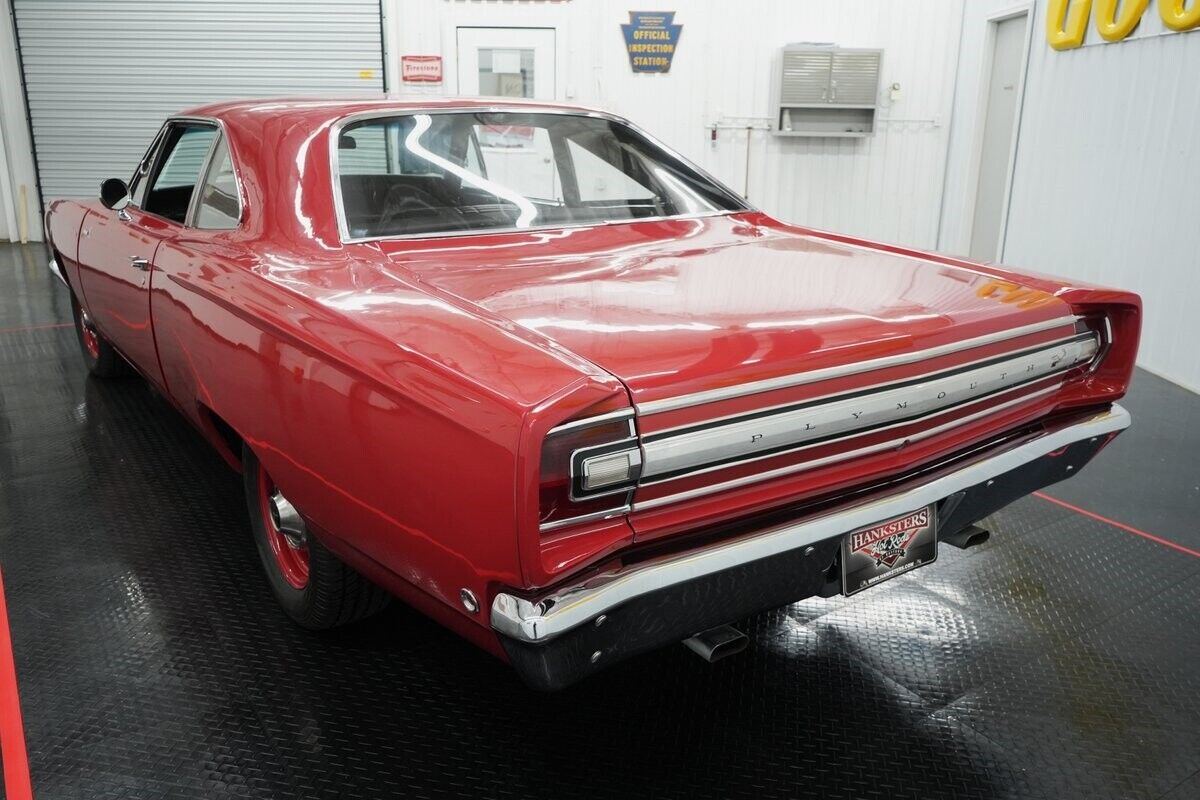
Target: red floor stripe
[
  {"x": 47, "y": 326},
  {"x": 1121, "y": 525},
  {"x": 17, "y": 785}
]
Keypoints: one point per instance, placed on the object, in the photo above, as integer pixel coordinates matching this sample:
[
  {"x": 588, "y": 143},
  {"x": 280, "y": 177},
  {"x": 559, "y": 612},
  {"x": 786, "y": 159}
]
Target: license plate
[{"x": 901, "y": 544}]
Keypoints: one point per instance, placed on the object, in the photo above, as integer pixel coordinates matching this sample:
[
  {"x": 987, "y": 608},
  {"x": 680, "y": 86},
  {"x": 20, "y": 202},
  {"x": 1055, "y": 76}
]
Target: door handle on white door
[{"x": 139, "y": 263}]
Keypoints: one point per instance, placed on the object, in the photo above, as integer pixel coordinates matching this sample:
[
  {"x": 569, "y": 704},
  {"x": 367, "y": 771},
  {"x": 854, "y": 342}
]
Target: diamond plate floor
[{"x": 1061, "y": 659}]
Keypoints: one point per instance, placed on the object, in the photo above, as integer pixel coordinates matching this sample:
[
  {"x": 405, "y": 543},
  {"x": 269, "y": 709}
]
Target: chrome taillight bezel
[{"x": 559, "y": 451}]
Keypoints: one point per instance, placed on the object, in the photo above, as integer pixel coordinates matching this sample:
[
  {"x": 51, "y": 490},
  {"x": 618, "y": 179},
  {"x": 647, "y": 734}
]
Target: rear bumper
[{"x": 559, "y": 637}]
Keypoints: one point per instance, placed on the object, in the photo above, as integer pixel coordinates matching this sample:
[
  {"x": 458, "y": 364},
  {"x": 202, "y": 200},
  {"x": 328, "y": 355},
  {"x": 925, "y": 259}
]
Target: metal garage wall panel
[{"x": 102, "y": 76}]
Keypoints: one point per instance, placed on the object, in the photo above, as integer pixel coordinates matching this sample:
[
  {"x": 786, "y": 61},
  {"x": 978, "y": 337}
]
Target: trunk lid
[{"x": 684, "y": 306}]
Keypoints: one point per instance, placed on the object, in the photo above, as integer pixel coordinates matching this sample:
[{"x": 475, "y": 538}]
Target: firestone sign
[
  {"x": 651, "y": 39},
  {"x": 421, "y": 69}
]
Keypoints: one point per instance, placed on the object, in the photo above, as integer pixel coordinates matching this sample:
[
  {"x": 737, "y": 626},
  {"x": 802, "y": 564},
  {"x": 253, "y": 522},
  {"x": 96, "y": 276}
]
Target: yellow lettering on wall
[
  {"x": 1175, "y": 17},
  {"x": 1115, "y": 25},
  {"x": 1066, "y": 22}
]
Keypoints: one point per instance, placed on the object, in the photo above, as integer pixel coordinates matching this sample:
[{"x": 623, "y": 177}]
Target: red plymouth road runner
[{"x": 534, "y": 373}]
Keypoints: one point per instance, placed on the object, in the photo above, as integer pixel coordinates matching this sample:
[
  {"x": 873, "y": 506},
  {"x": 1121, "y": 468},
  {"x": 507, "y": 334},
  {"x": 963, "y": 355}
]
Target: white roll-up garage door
[{"x": 102, "y": 75}]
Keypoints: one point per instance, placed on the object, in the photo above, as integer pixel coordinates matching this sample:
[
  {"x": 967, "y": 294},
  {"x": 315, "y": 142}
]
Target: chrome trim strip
[
  {"x": 842, "y": 370},
  {"x": 764, "y": 410},
  {"x": 792, "y": 469},
  {"x": 587, "y": 422},
  {"x": 566, "y": 608},
  {"x": 56, "y": 271},
  {"x": 512, "y": 108},
  {"x": 858, "y": 411},
  {"x": 593, "y": 517}
]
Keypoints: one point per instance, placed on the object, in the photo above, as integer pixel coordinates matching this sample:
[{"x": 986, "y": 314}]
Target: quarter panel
[{"x": 393, "y": 421}]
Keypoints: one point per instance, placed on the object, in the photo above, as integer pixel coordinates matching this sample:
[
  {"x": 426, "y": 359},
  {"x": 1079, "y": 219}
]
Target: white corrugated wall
[
  {"x": 102, "y": 75},
  {"x": 1106, "y": 182},
  {"x": 887, "y": 186}
]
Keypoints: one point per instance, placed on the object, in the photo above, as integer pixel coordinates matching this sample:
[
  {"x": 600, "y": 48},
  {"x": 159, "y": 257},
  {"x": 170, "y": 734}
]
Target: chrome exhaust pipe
[{"x": 717, "y": 643}]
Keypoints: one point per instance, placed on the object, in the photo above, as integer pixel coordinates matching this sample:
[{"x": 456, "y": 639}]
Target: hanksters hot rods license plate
[{"x": 901, "y": 544}]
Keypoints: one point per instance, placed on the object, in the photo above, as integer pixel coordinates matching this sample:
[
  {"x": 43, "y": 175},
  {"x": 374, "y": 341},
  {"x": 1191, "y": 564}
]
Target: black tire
[
  {"x": 102, "y": 360},
  {"x": 331, "y": 594}
]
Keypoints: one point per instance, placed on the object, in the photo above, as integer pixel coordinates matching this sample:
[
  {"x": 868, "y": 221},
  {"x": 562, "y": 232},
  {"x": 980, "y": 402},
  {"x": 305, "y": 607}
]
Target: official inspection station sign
[{"x": 651, "y": 40}]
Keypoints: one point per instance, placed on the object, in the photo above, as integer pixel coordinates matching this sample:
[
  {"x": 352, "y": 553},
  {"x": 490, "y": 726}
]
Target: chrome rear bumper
[{"x": 711, "y": 579}]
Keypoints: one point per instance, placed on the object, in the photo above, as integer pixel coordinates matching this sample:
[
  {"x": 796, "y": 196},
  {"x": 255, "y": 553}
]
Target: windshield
[{"x": 466, "y": 171}]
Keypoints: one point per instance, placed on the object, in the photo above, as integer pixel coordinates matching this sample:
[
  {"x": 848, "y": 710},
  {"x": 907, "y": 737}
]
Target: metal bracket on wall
[{"x": 747, "y": 124}]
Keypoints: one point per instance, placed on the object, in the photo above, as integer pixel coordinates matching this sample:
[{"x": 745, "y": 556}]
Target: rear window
[{"x": 464, "y": 172}]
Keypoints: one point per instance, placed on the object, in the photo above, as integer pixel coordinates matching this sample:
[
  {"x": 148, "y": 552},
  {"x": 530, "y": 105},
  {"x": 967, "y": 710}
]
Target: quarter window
[
  {"x": 184, "y": 151},
  {"x": 219, "y": 207}
]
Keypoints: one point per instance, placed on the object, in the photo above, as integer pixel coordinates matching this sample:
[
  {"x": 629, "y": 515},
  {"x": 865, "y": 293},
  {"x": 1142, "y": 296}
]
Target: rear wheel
[
  {"x": 102, "y": 360},
  {"x": 316, "y": 589}
]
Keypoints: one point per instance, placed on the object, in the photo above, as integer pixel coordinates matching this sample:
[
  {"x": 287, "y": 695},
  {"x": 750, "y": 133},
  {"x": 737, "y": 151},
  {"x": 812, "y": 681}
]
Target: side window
[
  {"x": 220, "y": 207},
  {"x": 170, "y": 190}
]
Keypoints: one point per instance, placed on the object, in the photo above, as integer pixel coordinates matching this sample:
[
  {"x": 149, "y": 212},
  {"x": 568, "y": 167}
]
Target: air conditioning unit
[{"x": 825, "y": 91}]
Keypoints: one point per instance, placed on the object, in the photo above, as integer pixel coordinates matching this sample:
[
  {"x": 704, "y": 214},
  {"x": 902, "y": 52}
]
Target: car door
[
  {"x": 117, "y": 248},
  {"x": 205, "y": 258}
]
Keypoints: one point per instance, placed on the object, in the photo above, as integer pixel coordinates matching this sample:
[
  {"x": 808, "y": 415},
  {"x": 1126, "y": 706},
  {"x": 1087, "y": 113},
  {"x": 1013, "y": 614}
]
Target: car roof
[{"x": 321, "y": 110}]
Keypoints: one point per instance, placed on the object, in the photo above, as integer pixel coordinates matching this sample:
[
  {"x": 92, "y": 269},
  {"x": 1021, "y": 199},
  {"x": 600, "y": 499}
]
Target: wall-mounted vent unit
[{"x": 825, "y": 91}]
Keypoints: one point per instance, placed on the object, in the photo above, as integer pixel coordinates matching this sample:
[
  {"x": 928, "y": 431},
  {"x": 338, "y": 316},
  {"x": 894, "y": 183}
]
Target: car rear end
[{"x": 646, "y": 523}]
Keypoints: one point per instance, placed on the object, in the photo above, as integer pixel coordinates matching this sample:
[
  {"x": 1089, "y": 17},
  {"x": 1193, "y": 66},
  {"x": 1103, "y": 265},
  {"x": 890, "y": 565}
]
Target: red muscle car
[{"x": 531, "y": 371}]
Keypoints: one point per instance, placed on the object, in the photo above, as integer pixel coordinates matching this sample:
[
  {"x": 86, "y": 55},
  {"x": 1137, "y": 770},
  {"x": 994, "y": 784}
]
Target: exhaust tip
[
  {"x": 716, "y": 643},
  {"x": 971, "y": 536}
]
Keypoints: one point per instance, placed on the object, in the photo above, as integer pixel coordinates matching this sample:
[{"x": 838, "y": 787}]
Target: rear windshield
[{"x": 464, "y": 171}]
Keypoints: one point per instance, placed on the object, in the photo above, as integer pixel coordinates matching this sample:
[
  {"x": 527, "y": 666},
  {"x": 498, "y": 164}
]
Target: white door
[
  {"x": 506, "y": 62},
  {"x": 512, "y": 62},
  {"x": 995, "y": 166}
]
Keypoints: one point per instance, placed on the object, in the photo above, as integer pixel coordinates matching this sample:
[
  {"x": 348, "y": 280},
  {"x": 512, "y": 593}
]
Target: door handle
[{"x": 139, "y": 263}]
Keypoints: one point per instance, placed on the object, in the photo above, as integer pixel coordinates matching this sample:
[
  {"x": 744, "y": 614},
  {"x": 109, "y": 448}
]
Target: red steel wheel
[
  {"x": 313, "y": 586},
  {"x": 91, "y": 339},
  {"x": 285, "y": 532},
  {"x": 102, "y": 360}
]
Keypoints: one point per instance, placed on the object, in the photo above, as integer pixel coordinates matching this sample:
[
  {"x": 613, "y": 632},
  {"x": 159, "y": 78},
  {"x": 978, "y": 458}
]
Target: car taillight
[
  {"x": 1099, "y": 326},
  {"x": 589, "y": 469},
  {"x": 1116, "y": 326}
]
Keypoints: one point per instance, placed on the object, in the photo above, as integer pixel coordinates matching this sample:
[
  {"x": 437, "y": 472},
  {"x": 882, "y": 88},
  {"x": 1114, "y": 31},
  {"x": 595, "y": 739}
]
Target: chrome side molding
[{"x": 539, "y": 620}]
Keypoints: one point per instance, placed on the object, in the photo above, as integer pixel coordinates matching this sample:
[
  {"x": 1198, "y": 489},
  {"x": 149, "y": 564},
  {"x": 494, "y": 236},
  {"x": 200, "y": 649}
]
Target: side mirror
[{"x": 114, "y": 194}]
